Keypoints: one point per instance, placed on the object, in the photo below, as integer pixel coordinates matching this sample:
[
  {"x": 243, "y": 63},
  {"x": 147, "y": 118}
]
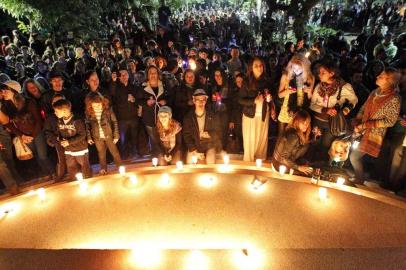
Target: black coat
[
  {"x": 288, "y": 149},
  {"x": 123, "y": 108},
  {"x": 149, "y": 113},
  {"x": 247, "y": 98},
  {"x": 74, "y": 132},
  {"x": 191, "y": 134}
]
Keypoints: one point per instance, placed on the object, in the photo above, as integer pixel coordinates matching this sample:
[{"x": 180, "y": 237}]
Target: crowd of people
[{"x": 193, "y": 89}]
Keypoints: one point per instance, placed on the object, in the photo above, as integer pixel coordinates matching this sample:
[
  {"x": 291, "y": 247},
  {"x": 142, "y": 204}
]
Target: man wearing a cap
[{"x": 201, "y": 130}]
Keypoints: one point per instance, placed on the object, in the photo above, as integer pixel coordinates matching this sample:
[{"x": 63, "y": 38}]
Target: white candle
[
  {"x": 179, "y": 165},
  {"x": 259, "y": 162},
  {"x": 79, "y": 176},
  {"x": 340, "y": 181},
  {"x": 291, "y": 171},
  {"x": 121, "y": 170},
  {"x": 155, "y": 162},
  {"x": 194, "y": 160},
  {"x": 282, "y": 170},
  {"x": 226, "y": 159},
  {"x": 323, "y": 193}
]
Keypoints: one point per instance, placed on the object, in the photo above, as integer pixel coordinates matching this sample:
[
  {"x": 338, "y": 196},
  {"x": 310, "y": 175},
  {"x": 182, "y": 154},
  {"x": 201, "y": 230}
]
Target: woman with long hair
[
  {"x": 183, "y": 95},
  {"x": 295, "y": 88},
  {"x": 152, "y": 96},
  {"x": 258, "y": 106},
  {"x": 170, "y": 137},
  {"x": 293, "y": 144}
]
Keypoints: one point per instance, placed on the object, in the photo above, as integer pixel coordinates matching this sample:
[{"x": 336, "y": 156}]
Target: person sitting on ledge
[
  {"x": 201, "y": 131},
  {"x": 293, "y": 144},
  {"x": 170, "y": 138}
]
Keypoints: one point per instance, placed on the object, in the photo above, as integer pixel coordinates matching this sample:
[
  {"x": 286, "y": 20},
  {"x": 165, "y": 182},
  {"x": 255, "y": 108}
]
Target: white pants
[{"x": 255, "y": 137}]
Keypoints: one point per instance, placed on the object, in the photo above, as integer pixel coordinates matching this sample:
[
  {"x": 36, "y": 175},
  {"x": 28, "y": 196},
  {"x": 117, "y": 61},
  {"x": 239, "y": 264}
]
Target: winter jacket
[
  {"x": 108, "y": 123},
  {"x": 288, "y": 149},
  {"x": 191, "y": 134},
  {"x": 74, "y": 132},
  {"x": 247, "y": 99},
  {"x": 27, "y": 121},
  {"x": 123, "y": 108},
  {"x": 149, "y": 113}
]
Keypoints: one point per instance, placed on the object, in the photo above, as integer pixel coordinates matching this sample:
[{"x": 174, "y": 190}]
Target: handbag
[
  {"x": 23, "y": 152},
  {"x": 338, "y": 123}
]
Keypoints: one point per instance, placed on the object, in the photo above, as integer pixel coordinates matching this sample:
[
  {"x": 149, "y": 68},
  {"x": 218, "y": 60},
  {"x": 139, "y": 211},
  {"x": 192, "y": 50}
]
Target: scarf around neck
[{"x": 330, "y": 89}]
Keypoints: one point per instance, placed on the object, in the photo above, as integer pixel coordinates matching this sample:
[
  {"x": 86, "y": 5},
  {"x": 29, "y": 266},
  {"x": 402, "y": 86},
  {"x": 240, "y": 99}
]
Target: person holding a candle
[
  {"x": 295, "y": 88},
  {"x": 380, "y": 111},
  {"x": 170, "y": 137},
  {"x": 102, "y": 129},
  {"x": 201, "y": 130},
  {"x": 256, "y": 99},
  {"x": 293, "y": 144}
]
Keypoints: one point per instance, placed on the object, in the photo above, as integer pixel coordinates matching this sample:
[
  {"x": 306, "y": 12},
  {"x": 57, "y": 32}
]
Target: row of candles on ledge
[{"x": 257, "y": 184}]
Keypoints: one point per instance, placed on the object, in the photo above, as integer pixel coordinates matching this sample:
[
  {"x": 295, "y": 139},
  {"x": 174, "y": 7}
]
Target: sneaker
[{"x": 102, "y": 172}]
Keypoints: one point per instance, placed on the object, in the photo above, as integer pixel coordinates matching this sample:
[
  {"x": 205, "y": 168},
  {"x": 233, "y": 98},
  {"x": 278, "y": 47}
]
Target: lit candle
[
  {"x": 322, "y": 193},
  {"x": 41, "y": 194},
  {"x": 226, "y": 159},
  {"x": 79, "y": 176},
  {"x": 155, "y": 161},
  {"x": 282, "y": 170},
  {"x": 259, "y": 162},
  {"x": 121, "y": 170},
  {"x": 340, "y": 181},
  {"x": 291, "y": 171},
  {"x": 179, "y": 165},
  {"x": 355, "y": 144},
  {"x": 194, "y": 160}
]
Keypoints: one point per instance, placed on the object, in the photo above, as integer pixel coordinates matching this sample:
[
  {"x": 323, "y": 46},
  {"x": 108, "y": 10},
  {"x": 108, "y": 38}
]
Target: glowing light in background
[
  {"x": 207, "y": 181},
  {"x": 248, "y": 259},
  {"x": 41, "y": 194},
  {"x": 146, "y": 257},
  {"x": 196, "y": 260},
  {"x": 323, "y": 193},
  {"x": 164, "y": 181}
]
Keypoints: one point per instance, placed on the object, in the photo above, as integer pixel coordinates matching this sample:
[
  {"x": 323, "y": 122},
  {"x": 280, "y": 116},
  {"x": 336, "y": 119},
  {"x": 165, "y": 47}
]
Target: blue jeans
[{"x": 38, "y": 147}]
